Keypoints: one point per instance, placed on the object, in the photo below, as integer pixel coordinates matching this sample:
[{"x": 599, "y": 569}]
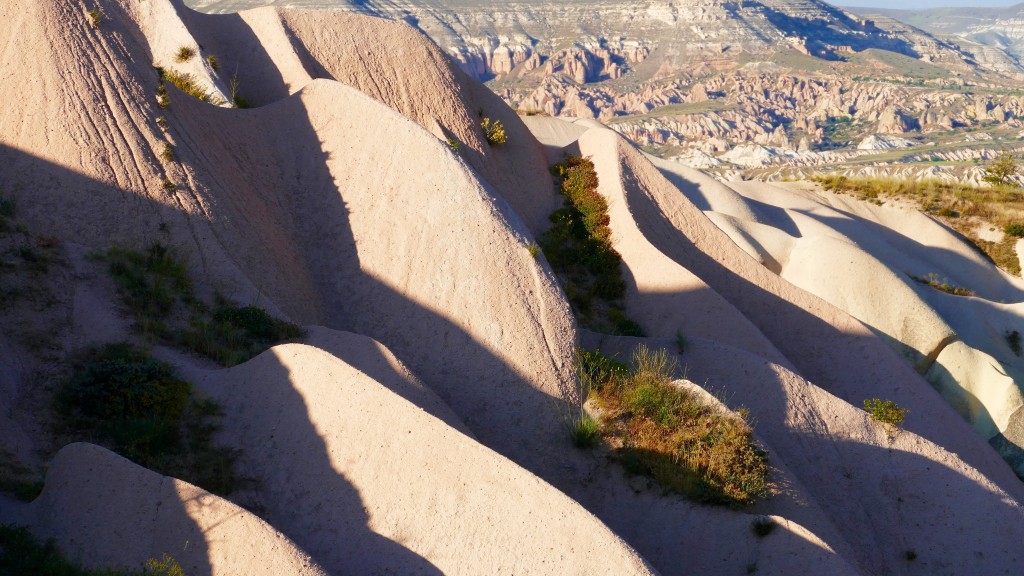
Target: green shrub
[
  {"x": 454, "y": 145},
  {"x": 235, "y": 334},
  {"x": 1013, "y": 341},
  {"x": 1016, "y": 230},
  {"x": 885, "y": 411},
  {"x": 214, "y": 63},
  {"x": 168, "y": 184},
  {"x": 494, "y": 131},
  {"x": 533, "y": 249},
  {"x": 167, "y": 152},
  {"x": 184, "y": 54},
  {"x": 158, "y": 292},
  {"x": 670, "y": 434},
  {"x": 128, "y": 398},
  {"x": 123, "y": 398},
  {"x": 578, "y": 246},
  {"x": 21, "y": 554},
  {"x": 1001, "y": 170}
]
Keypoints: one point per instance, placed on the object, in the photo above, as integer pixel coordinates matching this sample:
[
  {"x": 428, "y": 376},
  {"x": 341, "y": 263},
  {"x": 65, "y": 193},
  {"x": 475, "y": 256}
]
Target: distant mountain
[{"x": 1001, "y": 29}]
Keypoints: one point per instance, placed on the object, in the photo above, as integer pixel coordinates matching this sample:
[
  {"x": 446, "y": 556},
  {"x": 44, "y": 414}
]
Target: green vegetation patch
[
  {"x": 18, "y": 480},
  {"x": 22, "y": 554},
  {"x": 673, "y": 435},
  {"x": 885, "y": 411},
  {"x": 231, "y": 334},
  {"x": 121, "y": 397},
  {"x": 155, "y": 286},
  {"x": 578, "y": 246},
  {"x": 943, "y": 285}
]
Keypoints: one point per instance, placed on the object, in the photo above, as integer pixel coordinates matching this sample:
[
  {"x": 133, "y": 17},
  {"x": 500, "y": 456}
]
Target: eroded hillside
[{"x": 419, "y": 424}]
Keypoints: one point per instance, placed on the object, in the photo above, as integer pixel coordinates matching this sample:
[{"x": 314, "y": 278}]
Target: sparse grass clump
[
  {"x": 167, "y": 152},
  {"x": 184, "y": 54},
  {"x": 95, "y": 17},
  {"x": 494, "y": 131},
  {"x": 122, "y": 397},
  {"x": 18, "y": 480},
  {"x": 22, "y": 554},
  {"x": 533, "y": 249},
  {"x": 585, "y": 432},
  {"x": 150, "y": 283},
  {"x": 578, "y": 246},
  {"x": 7, "y": 209},
  {"x": 942, "y": 285},
  {"x": 163, "y": 100},
  {"x": 158, "y": 292},
  {"x": 672, "y": 435},
  {"x": 190, "y": 85},
  {"x": 453, "y": 144},
  {"x": 213, "y": 62},
  {"x": 234, "y": 334}
]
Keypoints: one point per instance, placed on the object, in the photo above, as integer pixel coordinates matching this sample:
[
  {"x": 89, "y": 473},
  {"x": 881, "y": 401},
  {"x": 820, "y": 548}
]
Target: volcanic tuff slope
[{"x": 421, "y": 429}]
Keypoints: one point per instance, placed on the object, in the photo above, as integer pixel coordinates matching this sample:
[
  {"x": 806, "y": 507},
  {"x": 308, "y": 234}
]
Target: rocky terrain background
[{"x": 801, "y": 86}]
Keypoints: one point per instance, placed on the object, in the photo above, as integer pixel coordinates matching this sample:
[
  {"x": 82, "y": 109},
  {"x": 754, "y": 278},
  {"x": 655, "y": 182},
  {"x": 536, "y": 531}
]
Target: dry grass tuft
[{"x": 188, "y": 84}]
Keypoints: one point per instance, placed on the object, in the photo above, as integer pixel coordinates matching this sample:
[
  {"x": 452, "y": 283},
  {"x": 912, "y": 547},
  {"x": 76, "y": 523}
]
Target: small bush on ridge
[
  {"x": 885, "y": 411},
  {"x": 494, "y": 131},
  {"x": 184, "y": 54}
]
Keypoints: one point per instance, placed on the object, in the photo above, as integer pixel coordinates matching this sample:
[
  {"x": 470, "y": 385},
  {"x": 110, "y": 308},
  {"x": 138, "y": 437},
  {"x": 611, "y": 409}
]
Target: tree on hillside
[{"x": 1002, "y": 169}]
